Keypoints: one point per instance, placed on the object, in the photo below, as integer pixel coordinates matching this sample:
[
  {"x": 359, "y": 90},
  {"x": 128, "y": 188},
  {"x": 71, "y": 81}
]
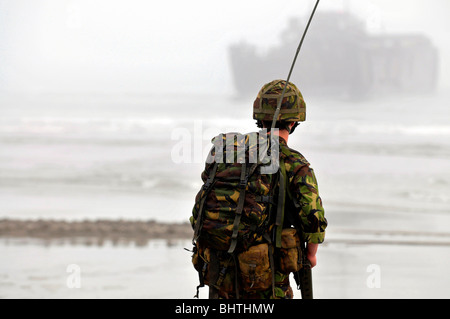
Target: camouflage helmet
[{"x": 293, "y": 108}]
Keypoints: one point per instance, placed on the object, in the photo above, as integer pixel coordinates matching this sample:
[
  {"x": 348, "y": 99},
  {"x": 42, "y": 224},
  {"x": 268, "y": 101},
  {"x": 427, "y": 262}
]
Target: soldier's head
[{"x": 293, "y": 107}]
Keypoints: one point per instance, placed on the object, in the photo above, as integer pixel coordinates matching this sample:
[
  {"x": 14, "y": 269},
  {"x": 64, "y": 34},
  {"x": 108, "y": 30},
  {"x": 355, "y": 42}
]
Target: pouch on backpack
[
  {"x": 255, "y": 271},
  {"x": 290, "y": 251},
  {"x": 201, "y": 259}
]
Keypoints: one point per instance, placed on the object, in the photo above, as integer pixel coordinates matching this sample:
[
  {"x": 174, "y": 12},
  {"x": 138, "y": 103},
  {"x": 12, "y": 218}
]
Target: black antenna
[{"x": 277, "y": 112}]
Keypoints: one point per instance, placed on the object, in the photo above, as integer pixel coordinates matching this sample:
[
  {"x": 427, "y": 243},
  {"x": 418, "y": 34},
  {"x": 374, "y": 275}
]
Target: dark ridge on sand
[
  {"x": 139, "y": 231},
  {"x": 123, "y": 232}
]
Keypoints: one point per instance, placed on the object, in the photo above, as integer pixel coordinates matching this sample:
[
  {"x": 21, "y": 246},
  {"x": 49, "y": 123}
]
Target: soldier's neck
[{"x": 282, "y": 133}]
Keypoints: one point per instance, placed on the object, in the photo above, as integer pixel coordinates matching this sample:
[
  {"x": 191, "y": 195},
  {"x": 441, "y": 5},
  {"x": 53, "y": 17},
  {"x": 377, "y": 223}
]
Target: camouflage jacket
[{"x": 303, "y": 188}]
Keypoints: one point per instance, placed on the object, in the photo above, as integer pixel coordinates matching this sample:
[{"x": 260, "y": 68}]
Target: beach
[
  {"x": 94, "y": 181},
  {"x": 410, "y": 265},
  {"x": 108, "y": 110}
]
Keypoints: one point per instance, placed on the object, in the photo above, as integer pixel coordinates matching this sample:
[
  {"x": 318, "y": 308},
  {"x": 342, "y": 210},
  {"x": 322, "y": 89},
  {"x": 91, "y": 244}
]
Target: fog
[
  {"x": 172, "y": 46},
  {"x": 100, "y": 99}
]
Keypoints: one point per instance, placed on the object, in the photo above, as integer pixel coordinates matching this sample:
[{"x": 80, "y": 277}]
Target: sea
[{"x": 382, "y": 165}]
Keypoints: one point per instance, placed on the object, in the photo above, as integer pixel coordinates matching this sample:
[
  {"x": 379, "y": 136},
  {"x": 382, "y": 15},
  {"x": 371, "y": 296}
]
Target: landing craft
[{"x": 342, "y": 59}]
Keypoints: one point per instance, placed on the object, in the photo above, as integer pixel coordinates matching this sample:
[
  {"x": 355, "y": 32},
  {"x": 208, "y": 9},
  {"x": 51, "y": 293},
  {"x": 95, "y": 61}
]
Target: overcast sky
[{"x": 156, "y": 46}]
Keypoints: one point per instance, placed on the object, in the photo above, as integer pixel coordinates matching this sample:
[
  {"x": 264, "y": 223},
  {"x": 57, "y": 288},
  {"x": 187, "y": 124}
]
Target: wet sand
[
  {"x": 157, "y": 270},
  {"x": 147, "y": 259}
]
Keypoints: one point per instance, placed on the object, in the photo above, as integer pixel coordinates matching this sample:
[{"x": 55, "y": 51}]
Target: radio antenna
[{"x": 277, "y": 112}]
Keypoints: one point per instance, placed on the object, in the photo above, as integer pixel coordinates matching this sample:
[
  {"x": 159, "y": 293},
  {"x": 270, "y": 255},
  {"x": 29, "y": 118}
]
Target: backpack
[{"x": 237, "y": 207}]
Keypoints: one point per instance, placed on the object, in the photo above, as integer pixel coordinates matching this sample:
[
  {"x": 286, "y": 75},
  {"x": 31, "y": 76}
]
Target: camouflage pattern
[
  {"x": 303, "y": 187},
  {"x": 222, "y": 201},
  {"x": 254, "y": 268},
  {"x": 202, "y": 256},
  {"x": 282, "y": 290},
  {"x": 293, "y": 107},
  {"x": 290, "y": 254},
  {"x": 227, "y": 289}
]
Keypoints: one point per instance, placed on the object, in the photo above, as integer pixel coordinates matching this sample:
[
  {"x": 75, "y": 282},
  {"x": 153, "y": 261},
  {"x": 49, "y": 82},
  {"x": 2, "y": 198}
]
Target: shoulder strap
[
  {"x": 279, "y": 220},
  {"x": 206, "y": 189},
  {"x": 242, "y": 187}
]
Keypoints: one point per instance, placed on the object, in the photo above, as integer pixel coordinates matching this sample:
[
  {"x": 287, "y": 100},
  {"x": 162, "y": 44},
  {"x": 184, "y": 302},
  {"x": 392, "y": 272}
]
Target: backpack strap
[
  {"x": 279, "y": 220},
  {"x": 214, "y": 274},
  {"x": 206, "y": 189},
  {"x": 242, "y": 187},
  {"x": 201, "y": 274},
  {"x": 266, "y": 236}
]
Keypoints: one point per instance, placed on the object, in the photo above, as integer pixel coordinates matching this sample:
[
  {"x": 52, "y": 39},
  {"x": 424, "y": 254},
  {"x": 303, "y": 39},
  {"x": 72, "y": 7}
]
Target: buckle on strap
[
  {"x": 243, "y": 182},
  {"x": 265, "y": 199}
]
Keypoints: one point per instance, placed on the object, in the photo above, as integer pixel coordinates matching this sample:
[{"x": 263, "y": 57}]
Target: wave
[
  {"x": 86, "y": 126},
  {"x": 357, "y": 127},
  {"x": 57, "y": 125}
]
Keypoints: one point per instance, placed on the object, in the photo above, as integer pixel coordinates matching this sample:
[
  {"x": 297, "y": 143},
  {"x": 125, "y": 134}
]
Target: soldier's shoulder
[{"x": 293, "y": 156}]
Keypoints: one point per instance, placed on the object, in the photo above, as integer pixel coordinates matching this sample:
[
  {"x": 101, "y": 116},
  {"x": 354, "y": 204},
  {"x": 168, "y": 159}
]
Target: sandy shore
[
  {"x": 135, "y": 267},
  {"x": 114, "y": 230},
  {"x": 147, "y": 259}
]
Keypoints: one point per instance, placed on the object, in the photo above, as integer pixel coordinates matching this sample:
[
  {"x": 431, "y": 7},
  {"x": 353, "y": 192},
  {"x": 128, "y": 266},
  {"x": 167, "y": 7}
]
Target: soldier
[
  {"x": 302, "y": 181},
  {"x": 243, "y": 270}
]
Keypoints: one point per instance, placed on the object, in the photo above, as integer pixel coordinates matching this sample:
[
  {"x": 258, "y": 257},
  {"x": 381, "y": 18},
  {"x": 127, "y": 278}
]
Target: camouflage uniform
[
  {"x": 304, "y": 188},
  {"x": 303, "y": 200}
]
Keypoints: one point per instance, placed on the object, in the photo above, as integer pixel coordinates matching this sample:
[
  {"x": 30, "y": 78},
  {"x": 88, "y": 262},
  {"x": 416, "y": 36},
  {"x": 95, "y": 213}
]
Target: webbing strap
[
  {"x": 271, "y": 261},
  {"x": 213, "y": 274},
  {"x": 280, "y": 207},
  {"x": 240, "y": 207},
  {"x": 206, "y": 189},
  {"x": 236, "y": 280}
]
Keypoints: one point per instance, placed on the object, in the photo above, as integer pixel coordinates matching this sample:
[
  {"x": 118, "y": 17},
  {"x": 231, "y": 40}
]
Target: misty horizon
[{"x": 79, "y": 46}]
